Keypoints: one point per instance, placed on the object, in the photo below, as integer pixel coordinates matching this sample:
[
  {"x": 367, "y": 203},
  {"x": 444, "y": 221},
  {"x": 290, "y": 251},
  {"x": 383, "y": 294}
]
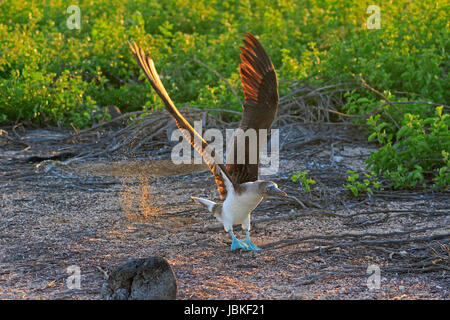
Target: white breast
[{"x": 237, "y": 208}]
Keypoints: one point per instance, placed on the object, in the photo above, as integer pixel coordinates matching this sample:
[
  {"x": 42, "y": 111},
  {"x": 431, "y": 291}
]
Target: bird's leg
[
  {"x": 247, "y": 241},
  {"x": 237, "y": 244}
]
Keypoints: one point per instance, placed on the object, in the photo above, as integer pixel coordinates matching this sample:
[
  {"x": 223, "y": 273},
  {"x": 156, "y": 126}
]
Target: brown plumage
[
  {"x": 259, "y": 83},
  {"x": 260, "y": 86}
]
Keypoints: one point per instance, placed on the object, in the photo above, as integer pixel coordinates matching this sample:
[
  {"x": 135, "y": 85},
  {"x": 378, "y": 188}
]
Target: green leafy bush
[
  {"x": 306, "y": 182},
  {"x": 357, "y": 185},
  {"x": 328, "y": 38},
  {"x": 419, "y": 149}
]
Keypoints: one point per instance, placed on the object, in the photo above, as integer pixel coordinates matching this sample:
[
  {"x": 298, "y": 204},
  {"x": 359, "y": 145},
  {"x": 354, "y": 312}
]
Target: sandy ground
[{"x": 98, "y": 214}]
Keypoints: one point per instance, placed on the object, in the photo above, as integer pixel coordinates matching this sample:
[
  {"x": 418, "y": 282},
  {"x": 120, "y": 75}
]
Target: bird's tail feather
[{"x": 206, "y": 203}]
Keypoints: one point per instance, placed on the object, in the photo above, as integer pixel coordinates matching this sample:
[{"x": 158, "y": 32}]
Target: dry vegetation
[{"x": 100, "y": 197}]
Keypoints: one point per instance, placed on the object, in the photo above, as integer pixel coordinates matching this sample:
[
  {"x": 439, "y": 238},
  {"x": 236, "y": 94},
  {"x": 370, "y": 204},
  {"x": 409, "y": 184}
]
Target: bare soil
[{"x": 99, "y": 213}]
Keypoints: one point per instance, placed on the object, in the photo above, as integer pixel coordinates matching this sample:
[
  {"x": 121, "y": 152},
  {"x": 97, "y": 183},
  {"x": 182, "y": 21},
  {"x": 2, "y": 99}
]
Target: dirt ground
[{"x": 97, "y": 214}]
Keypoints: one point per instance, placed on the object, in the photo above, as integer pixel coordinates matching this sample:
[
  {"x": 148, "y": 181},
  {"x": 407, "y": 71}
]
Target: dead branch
[{"x": 332, "y": 238}]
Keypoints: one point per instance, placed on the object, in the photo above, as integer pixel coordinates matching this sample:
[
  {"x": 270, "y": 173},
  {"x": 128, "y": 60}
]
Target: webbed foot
[
  {"x": 249, "y": 244},
  {"x": 238, "y": 244}
]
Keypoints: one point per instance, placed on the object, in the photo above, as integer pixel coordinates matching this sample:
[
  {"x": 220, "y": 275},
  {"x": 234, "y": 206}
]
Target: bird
[{"x": 238, "y": 183}]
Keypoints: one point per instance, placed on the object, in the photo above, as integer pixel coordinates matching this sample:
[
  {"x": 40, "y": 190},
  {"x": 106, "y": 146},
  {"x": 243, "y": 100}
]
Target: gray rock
[{"x": 141, "y": 279}]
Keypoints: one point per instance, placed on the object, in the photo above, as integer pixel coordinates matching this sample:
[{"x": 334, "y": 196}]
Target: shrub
[
  {"x": 306, "y": 182},
  {"x": 327, "y": 38},
  {"x": 419, "y": 149}
]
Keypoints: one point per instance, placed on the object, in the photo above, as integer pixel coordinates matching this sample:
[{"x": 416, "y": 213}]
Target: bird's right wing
[
  {"x": 260, "y": 86},
  {"x": 220, "y": 172}
]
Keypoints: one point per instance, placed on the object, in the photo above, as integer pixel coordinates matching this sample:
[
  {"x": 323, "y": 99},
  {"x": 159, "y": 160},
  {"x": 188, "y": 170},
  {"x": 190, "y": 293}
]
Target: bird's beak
[{"x": 274, "y": 192}]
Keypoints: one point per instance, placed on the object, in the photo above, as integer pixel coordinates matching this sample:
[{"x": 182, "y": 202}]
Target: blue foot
[
  {"x": 249, "y": 244},
  {"x": 238, "y": 244}
]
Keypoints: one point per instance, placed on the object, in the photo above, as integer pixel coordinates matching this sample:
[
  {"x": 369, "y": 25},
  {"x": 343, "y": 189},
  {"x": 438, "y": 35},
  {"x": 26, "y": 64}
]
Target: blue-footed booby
[{"x": 238, "y": 183}]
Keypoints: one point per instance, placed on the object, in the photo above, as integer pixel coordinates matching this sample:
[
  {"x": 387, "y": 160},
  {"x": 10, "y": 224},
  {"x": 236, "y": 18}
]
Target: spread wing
[
  {"x": 220, "y": 172},
  {"x": 260, "y": 86}
]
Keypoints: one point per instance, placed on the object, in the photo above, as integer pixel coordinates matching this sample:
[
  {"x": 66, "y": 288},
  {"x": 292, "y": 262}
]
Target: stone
[{"x": 141, "y": 279}]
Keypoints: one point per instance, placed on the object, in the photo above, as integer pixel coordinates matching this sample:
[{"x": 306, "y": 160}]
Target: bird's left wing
[{"x": 220, "y": 172}]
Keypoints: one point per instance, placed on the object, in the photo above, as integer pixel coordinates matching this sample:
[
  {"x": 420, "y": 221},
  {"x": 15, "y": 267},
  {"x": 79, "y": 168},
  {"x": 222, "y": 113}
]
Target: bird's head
[{"x": 270, "y": 190}]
